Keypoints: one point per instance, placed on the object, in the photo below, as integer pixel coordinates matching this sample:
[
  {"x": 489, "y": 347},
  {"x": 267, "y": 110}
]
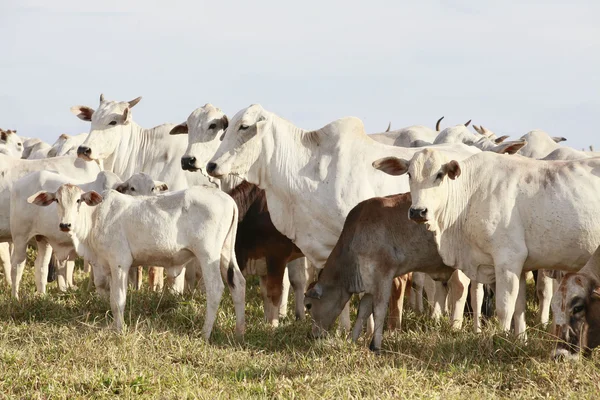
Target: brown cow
[
  {"x": 377, "y": 243},
  {"x": 258, "y": 238}
]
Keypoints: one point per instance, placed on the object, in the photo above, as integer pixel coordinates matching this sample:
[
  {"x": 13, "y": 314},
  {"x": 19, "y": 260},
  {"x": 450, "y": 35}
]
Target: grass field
[{"x": 58, "y": 346}]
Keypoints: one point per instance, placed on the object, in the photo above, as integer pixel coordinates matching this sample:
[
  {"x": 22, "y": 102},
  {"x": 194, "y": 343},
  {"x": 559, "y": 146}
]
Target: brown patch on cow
[
  {"x": 4, "y": 135},
  {"x": 528, "y": 178}
]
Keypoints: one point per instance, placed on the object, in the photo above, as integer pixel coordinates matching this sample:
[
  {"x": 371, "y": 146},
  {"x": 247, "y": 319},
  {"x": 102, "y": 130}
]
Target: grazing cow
[
  {"x": 10, "y": 143},
  {"x": 117, "y": 232},
  {"x": 28, "y": 221},
  {"x": 12, "y": 169},
  {"x": 377, "y": 244},
  {"x": 124, "y": 147},
  {"x": 489, "y": 212},
  {"x": 312, "y": 179},
  {"x": 257, "y": 237},
  {"x": 576, "y": 310}
]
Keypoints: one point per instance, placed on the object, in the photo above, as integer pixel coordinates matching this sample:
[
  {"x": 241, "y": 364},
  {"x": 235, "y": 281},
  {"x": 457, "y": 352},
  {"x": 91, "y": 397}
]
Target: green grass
[{"x": 58, "y": 346}]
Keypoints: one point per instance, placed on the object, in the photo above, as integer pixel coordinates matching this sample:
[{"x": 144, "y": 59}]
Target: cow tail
[{"x": 228, "y": 252}]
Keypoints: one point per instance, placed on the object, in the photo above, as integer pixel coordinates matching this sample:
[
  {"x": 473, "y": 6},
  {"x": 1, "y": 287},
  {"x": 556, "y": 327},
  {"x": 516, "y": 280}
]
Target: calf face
[
  {"x": 324, "y": 303},
  {"x": 576, "y": 312},
  {"x": 141, "y": 184}
]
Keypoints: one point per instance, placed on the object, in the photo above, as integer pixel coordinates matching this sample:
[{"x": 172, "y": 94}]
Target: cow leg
[
  {"x": 285, "y": 294},
  {"x": 458, "y": 285},
  {"x": 380, "y": 299},
  {"x": 476, "y": 304},
  {"x": 238, "y": 294},
  {"x": 41, "y": 265},
  {"x": 268, "y": 308},
  {"x": 507, "y": 291},
  {"x": 275, "y": 275},
  {"x": 416, "y": 294},
  {"x": 438, "y": 298},
  {"x": 544, "y": 290},
  {"x": 19, "y": 255},
  {"x": 176, "y": 279},
  {"x": 61, "y": 274},
  {"x": 87, "y": 268},
  {"x": 365, "y": 310},
  {"x": 156, "y": 278},
  {"x": 101, "y": 280},
  {"x": 520, "y": 308},
  {"x": 133, "y": 277},
  {"x": 5, "y": 260},
  {"x": 297, "y": 272},
  {"x": 344, "y": 318},
  {"x": 396, "y": 302},
  {"x": 118, "y": 293},
  {"x": 70, "y": 271}
]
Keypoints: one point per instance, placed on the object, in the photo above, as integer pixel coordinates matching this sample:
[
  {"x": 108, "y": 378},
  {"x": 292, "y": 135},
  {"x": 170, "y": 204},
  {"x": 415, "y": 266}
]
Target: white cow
[
  {"x": 117, "y": 232},
  {"x": 33, "y": 145},
  {"x": 569, "y": 153},
  {"x": 411, "y": 136},
  {"x": 539, "y": 144},
  {"x": 125, "y": 148},
  {"x": 28, "y": 221},
  {"x": 312, "y": 179},
  {"x": 67, "y": 145},
  {"x": 495, "y": 217},
  {"x": 38, "y": 151},
  {"x": 461, "y": 134},
  {"x": 10, "y": 143},
  {"x": 12, "y": 169}
]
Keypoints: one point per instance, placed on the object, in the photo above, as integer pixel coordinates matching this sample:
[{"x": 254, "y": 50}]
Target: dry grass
[{"x": 57, "y": 346}]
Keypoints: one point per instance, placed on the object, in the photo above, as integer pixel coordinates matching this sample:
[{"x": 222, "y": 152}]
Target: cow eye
[
  {"x": 212, "y": 126},
  {"x": 152, "y": 189},
  {"x": 20, "y": 144},
  {"x": 112, "y": 123},
  {"x": 409, "y": 175},
  {"x": 244, "y": 127},
  {"x": 439, "y": 176},
  {"x": 308, "y": 306},
  {"x": 78, "y": 201},
  {"x": 133, "y": 189},
  {"x": 578, "y": 309}
]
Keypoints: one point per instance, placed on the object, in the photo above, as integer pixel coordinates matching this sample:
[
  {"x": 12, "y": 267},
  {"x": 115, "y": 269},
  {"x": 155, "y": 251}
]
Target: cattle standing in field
[
  {"x": 257, "y": 237},
  {"x": 28, "y": 221},
  {"x": 116, "y": 232},
  {"x": 576, "y": 310},
  {"x": 489, "y": 212},
  {"x": 377, "y": 244},
  {"x": 312, "y": 179},
  {"x": 12, "y": 169}
]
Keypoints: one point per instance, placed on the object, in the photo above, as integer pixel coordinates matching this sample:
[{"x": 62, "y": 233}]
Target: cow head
[
  {"x": 108, "y": 123},
  {"x": 324, "y": 303},
  {"x": 576, "y": 313},
  {"x": 12, "y": 141},
  {"x": 484, "y": 142},
  {"x": 246, "y": 138},
  {"x": 428, "y": 175},
  {"x": 69, "y": 199},
  {"x": 141, "y": 184},
  {"x": 205, "y": 128}
]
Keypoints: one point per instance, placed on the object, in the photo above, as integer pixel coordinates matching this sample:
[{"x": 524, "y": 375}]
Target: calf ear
[
  {"x": 452, "y": 169},
  {"x": 558, "y": 139},
  {"x": 121, "y": 188},
  {"x": 179, "y": 129},
  {"x": 501, "y": 139},
  {"x": 42, "y": 198},
  {"x": 509, "y": 147},
  {"x": 83, "y": 112},
  {"x": 391, "y": 165},
  {"x": 315, "y": 293},
  {"x": 91, "y": 198},
  {"x": 225, "y": 122},
  {"x": 161, "y": 186}
]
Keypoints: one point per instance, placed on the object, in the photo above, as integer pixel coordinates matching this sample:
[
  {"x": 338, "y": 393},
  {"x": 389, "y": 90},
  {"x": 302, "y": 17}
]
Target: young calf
[
  {"x": 377, "y": 244},
  {"x": 28, "y": 221},
  {"x": 117, "y": 232}
]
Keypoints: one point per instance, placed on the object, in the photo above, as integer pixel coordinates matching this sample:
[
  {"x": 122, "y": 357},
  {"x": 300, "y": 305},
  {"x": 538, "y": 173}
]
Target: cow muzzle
[
  {"x": 418, "y": 215},
  {"x": 211, "y": 168},
  {"x": 188, "y": 164},
  {"x": 64, "y": 227},
  {"x": 85, "y": 153}
]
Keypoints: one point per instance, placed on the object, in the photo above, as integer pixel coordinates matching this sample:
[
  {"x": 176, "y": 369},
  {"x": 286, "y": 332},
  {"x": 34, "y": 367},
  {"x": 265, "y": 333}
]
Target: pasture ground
[{"x": 58, "y": 346}]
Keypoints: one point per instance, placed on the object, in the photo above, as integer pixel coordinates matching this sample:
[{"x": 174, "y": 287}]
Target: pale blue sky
[{"x": 511, "y": 67}]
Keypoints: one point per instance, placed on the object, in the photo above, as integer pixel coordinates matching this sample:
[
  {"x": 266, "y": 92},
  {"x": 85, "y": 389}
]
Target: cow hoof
[{"x": 374, "y": 349}]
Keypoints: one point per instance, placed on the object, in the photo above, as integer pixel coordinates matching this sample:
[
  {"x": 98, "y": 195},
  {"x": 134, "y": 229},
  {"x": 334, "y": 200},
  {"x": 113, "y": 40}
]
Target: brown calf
[{"x": 377, "y": 243}]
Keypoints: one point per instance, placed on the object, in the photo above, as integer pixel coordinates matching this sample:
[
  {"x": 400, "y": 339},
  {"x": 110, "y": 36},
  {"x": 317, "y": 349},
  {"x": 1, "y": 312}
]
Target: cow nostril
[
  {"x": 210, "y": 167},
  {"x": 422, "y": 212},
  {"x": 84, "y": 150}
]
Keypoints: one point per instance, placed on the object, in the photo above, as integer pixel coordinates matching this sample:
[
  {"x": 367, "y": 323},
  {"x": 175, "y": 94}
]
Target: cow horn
[
  {"x": 389, "y": 127},
  {"x": 467, "y": 123},
  {"x": 134, "y": 101},
  {"x": 437, "y": 124},
  {"x": 101, "y": 97}
]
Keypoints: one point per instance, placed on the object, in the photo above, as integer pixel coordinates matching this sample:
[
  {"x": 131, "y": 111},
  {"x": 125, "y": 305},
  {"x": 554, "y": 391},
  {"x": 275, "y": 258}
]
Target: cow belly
[{"x": 164, "y": 259}]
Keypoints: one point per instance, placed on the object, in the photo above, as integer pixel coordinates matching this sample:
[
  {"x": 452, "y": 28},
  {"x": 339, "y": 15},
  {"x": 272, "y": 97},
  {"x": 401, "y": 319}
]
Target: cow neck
[{"x": 81, "y": 233}]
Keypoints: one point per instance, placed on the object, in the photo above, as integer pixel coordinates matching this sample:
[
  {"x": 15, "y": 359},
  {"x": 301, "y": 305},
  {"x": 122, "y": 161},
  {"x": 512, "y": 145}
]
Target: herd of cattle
[{"x": 440, "y": 209}]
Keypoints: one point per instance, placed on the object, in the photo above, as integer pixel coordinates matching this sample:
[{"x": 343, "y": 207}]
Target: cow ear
[
  {"x": 160, "y": 186},
  {"x": 121, "y": 188},
  {"x": 91, "y": 198},
  {"x": 596, "y": 293},
  {"x": 3, "y": 136},
  {"x": 558, "y": 139},
  {"x": 315, "y": 293},
  {"x": 42, "y": 198},
  {"x": 452, "y": 169},
  {"x": 225, "y": 122},
  {"x": 126, "y": 116},
  {"x": 509, "y": 147},
  {"x": 83, "y": 112},
  {"x": 501, "y": 139},
  {"x": 391, "y": 165},
  {"x": 179, "y": 129}
]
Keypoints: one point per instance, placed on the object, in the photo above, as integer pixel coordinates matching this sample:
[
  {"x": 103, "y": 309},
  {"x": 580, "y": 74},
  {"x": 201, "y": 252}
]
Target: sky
[{"x": 511, "y": 66}]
